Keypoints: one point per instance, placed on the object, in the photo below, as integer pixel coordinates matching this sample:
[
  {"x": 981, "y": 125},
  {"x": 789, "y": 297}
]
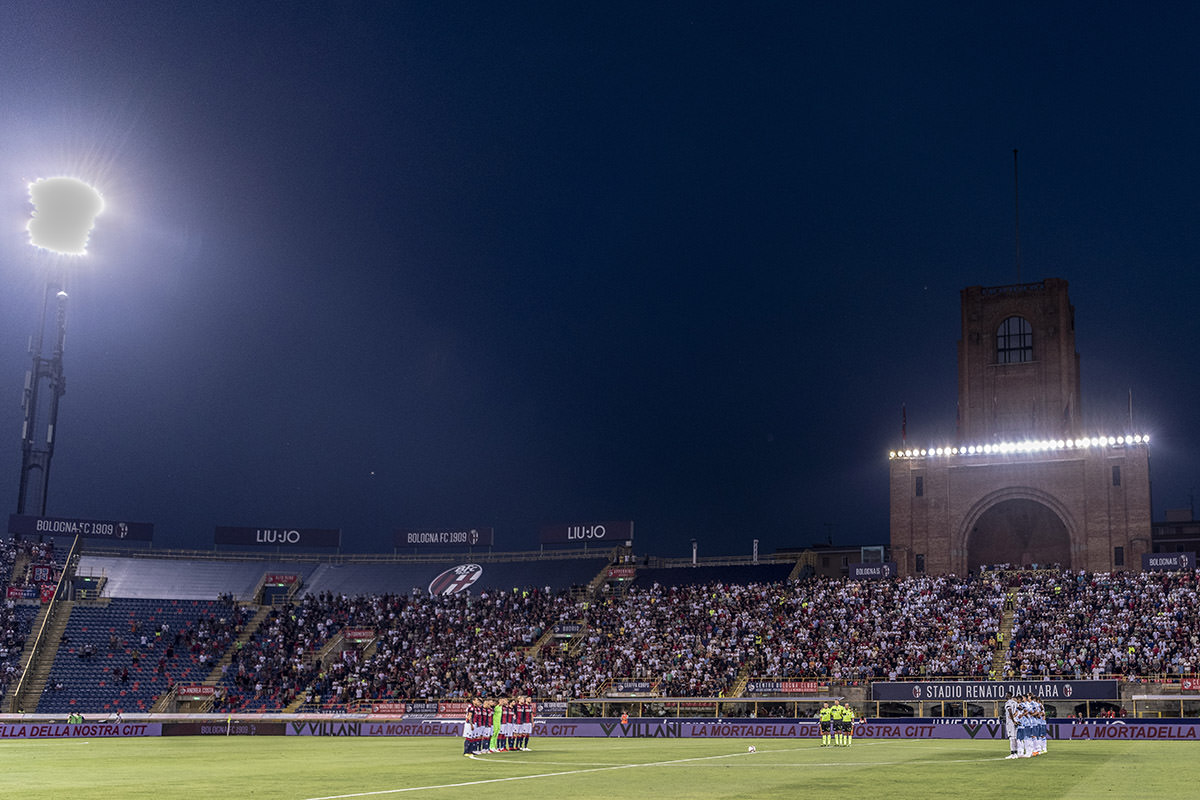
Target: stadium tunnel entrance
[{"x": 1019, "y": 531}]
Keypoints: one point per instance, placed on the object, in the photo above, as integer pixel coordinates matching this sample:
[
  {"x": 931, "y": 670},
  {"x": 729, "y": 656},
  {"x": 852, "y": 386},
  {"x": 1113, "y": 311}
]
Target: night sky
[{"x": 385, "y": 265}]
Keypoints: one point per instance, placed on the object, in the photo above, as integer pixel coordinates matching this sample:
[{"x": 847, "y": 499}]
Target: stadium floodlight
[
  {"x": 64, "y": 212},
  {"x": 1026, "y": 446}
]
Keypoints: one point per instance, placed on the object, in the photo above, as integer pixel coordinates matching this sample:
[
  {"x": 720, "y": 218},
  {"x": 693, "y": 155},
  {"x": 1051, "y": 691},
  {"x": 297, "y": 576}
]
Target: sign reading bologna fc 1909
[
  {"x": 456, "y": 579},
  {"x": 608, "y": 533},
  {"x": 886, "y": 569},
  {"x": 1158, "y": 562},
  {"x": 441, "y": 539},
  {"x": 279, "y": 537},
  {"x": 24, "y": 525}
]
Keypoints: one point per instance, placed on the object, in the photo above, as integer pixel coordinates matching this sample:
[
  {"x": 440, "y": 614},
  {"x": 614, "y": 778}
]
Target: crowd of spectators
[
  {"x": 696, "y": 640},
  {"x": 448, "y": 646},
  {"x": 39, "y": 564},
  {"x": 688, "y": 640},
  {"x": 14, "y": 626},
  {"x": 1078, "y": 624},
  {"x": 14, "y": 629}
]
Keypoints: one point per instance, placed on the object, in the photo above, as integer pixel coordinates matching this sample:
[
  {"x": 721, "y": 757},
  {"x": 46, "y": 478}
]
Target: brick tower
[{"x": 1024, "y": 482}]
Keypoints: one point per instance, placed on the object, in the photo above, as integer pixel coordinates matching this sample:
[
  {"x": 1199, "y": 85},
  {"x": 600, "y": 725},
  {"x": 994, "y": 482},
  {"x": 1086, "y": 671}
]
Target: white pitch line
[
  {"x": 525, "y": 777},
  {"x": 672, "y": 762}
]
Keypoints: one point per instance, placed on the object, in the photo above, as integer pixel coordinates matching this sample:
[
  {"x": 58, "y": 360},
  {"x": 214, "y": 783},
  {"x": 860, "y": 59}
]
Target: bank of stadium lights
[{"x": 1028, "y": 446}]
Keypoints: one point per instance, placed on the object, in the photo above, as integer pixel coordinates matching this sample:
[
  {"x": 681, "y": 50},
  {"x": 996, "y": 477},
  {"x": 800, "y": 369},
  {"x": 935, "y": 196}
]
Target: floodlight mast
[
  {"x": 37, "y": 451},
  {"x": 65, "y": 210}
]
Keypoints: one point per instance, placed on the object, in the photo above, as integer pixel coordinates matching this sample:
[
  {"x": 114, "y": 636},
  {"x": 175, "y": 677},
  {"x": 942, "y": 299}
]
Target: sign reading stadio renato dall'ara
[{"x": 959, "y": 691}]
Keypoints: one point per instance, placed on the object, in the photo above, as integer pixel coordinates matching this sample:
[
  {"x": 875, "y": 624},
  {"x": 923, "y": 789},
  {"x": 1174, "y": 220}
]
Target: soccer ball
[{"x": 750, "y": 749}]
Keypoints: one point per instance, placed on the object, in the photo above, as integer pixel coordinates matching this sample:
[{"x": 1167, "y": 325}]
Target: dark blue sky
[{"x": 379, "y": 265}]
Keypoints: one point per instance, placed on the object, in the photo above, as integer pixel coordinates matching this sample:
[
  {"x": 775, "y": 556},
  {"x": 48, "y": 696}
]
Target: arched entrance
[{"x": 1018, "y": 531}]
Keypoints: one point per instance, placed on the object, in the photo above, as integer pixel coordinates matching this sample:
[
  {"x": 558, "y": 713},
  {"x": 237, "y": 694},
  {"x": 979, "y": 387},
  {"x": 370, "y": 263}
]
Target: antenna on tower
[{"x": 1017, "y": 214}]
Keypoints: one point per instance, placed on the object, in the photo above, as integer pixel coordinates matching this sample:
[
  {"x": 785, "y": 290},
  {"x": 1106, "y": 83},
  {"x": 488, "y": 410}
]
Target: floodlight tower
[{"x": 64, "y": 211}]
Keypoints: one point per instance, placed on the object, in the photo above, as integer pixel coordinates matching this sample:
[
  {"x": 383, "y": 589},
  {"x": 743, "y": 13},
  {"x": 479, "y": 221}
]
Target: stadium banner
[
  {"x": 437, "y": 539},
  {"x": 226, "y": 727},
  {"x": 989, "y": 728},
  {"x": 400, "y": 709},
  {"x": 358, "y": 634},
  {"x": 567, "y": 628},
  {"x": 756, "y": 686},
  {"x": 368, "y": 728},
  {"x": 1188, "y": 684},
  {"x": 631, "y": 687},
  {"x": 195, "y": 692},
  {"x": 1161, "y": 562},
  {"x": 993, "y": 690},
  {"x": 621, "y": 573},
  {"x": 279, "y": 537},
  {"x": 598, "y": 532},
  {"x": 276, "y": 579},
  {"x": 886, "y": 569},
  {"x": 86, "y": 730},
  {"x": 453, "y": 708},
  {"x": 26, "y": 525},
  {"x": 446, "y": 709}
]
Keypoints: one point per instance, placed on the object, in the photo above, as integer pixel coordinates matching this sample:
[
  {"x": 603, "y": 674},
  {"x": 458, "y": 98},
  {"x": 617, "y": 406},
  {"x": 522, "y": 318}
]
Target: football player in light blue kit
[
  {"x": 1025, "y": 723},
  {"x": 1010, "y": 722},
  {"x": 1042, "y": 732}
]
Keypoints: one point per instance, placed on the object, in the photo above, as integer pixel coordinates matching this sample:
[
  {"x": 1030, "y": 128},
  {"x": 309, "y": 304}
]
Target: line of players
[
  {"x": 836, "y": 722},
  {"x": 1025, "y": 724},
  {"x": 497, "y": 726}
]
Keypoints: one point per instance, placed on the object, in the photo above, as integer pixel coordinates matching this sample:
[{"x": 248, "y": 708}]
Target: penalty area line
[{"x": 381, "y": 792}]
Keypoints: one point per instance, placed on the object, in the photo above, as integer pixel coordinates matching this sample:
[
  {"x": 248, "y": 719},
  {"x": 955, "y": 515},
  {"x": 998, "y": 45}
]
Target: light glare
[{"x": 64, "y": 212}]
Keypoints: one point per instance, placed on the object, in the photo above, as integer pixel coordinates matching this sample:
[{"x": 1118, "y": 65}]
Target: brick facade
[{"x": 1075, "y": 498}]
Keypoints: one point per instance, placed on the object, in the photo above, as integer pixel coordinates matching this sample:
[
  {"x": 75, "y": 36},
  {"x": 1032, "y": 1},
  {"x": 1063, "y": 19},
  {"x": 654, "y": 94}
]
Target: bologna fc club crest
[{"x": 456, "y": 579}]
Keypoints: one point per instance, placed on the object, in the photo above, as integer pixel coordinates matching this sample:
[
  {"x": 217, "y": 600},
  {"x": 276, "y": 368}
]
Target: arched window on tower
[{"x": 1014, "y": 341}]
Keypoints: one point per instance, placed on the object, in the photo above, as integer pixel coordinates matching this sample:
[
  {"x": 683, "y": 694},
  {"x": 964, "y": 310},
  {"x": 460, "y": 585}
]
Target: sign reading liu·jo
[
  {"x": 606, "y": 533},
  {"x": 279, "y": 537}
]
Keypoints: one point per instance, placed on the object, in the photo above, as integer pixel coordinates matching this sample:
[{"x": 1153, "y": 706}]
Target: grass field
[{"x": 306, "y": 768}]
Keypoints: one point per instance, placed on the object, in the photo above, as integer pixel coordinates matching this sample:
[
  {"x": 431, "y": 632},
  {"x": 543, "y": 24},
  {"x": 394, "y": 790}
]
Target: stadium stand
[
  {"x": 419, "y": 652},
  {"x": 403, "y": 578},
  {"x": 737, "y": 573},
  {"x": 184, "y": 578},
  {"x": 16, "y": 621},
  {"x": 1080, "y": 624},
  {"x": 122, "y": 654},
  {"x": 556, "y": 629}
]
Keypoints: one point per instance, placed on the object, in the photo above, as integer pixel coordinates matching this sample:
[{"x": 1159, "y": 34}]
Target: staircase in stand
[
  {"x": 35, "y": 682},
  {"x": 249, "y": 630},
  {"x": 740, "y": 682},
  {"x": 1001, "y": 653}
]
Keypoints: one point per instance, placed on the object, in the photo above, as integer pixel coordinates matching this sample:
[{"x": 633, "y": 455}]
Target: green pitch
[{"x": 304, "y": 768}]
